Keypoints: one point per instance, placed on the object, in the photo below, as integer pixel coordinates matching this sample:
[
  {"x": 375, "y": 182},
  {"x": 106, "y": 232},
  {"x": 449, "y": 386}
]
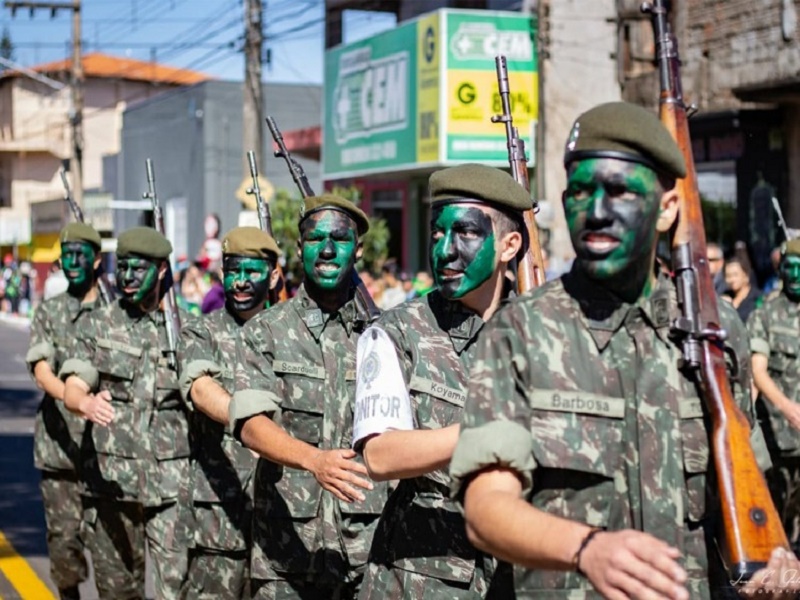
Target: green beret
[
  {"x": 143, "y": 241},
  {"x": 80, "y": 232},
  {"x": 628, "y": 132},
  {"x": 250, "y": 241},
  {"x": 333, "y": 202},
  {"x": 791, "y": 248},
  {"x": 471, "y": 182}
]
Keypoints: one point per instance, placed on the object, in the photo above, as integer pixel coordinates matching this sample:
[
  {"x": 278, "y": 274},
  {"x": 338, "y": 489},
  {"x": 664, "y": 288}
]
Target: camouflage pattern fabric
[
  {"x": 217, "y": 575},
  {"x": 57, "y": 432},
  {"x": 143, "y": 455},
  {"x": 140, "y": 462},
  {"x": 775, "y": 333},
  {"x": 582, "y": 396},
  {"x": 222, "y": 469},
  {"x": 56, "y": 438},
  {"x": 294, "y": 588},
  {"x": 421, "y": 541},
  {"x": 63, "y": 513},
  {"x": 117, "y": 532},
  {"x": 297, "y": 364}
]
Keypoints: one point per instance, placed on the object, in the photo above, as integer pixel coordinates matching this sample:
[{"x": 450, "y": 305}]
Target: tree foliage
[
  {"x": 6, "y": 47},
  {"x": 285, "y": 212}
]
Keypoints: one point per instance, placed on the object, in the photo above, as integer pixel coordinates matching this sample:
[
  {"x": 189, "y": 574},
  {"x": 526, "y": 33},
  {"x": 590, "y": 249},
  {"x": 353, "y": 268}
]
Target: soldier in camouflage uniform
[
  {"x": 775, "y": 344},
  {"x": 421, "y": 547},
  {"x": 293, "y": 405},
  {"x": 135, "y": 451},
  {"x": 57, "y": 432},
  {"x": 583, "y": 456},
  {"x": 222, "y": 469}
]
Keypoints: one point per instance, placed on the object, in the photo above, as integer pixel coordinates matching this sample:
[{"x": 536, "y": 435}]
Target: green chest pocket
[{"x": 303, "y": 404}]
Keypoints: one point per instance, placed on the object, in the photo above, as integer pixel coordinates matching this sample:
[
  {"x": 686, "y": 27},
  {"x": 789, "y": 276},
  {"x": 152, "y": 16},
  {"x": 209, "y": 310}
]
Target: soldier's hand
[
  {"x": 632, "y": 564},
  {"x": 791, "y": 410},
  {"x": 778, "y": 580},
  {"x": 336, "y": 472},
  {"x": 97, "y": 408}
]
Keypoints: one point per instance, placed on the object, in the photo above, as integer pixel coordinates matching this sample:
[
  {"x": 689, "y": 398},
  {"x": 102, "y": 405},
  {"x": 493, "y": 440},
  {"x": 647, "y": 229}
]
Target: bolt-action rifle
[
  {"x": 367, "y": 311},
  {"x": 530, "y": 269},
  {"x": 103, "y": 287},
  {"x": 171, "y": 316},
  {"x": 751, "y": 527},
  {"x": 265, "y": 224}
]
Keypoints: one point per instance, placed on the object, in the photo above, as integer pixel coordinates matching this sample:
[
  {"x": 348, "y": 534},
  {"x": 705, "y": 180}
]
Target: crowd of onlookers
[
  {"x": 17, "y": 286},
  {"x": 735, "y": 279}
]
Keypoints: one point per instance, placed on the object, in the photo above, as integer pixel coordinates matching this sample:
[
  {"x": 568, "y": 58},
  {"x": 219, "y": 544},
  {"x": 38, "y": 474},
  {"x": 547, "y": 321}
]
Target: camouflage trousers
[
  {"x": 784, "y": 483},
  {"x": 217, "y": 575},
  {"x": 63, "y": 512},
  {"x": 117, "y": 533},
  {"x": 302, "y": 588}
]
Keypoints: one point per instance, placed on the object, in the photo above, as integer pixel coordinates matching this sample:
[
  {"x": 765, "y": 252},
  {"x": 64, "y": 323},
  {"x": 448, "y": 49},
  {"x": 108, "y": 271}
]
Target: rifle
[
  {"x": 751, "y": 525},
  {"x": 789, "y": 234},
  {"x": 530, "y": 270},
  {"x": 365, "y": 306},
  {"x": 103, "y": 287},
  {"x": 265, "y": 223},
  {"x": 171, "y": 316}
]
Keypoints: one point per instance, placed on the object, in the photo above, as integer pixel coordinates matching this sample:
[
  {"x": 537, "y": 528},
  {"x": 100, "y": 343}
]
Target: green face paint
[
  {"x": 462, "y": 250},
  {"x": 790, "y": 274},
  {"x": 246, "y": 282},
  {"x": 612, "y": 207},
  {"x": 77, "y": 261},
  {"x": 329, "y": 244},
  {"x": 136, "y": 278}
]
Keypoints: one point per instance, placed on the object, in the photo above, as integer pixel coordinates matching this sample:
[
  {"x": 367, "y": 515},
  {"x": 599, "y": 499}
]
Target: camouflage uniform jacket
[
  {"x": 57, "y": 431},
  {"x": 775, "y": 332},
  {"x": 297, "y": 364},
  {"x": 583, "y": 398},
  {"x": 422, "y": 530},
  {"x": 222, "y": 469},
  {"x": 143, "y": 455}
]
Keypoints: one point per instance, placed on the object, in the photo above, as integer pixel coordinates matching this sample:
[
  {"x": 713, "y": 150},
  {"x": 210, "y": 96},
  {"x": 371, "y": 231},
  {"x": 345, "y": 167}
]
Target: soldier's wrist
[{"x": 585, "y": 541}]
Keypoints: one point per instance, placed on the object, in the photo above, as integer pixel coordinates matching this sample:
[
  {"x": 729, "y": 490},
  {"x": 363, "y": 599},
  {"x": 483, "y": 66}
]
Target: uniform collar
[
  {"x": 603, "y": 314},
  {"x": 460, "y": 323},
  {"x": 75, "y": 307},
  {"x": 316, "y": 319}
]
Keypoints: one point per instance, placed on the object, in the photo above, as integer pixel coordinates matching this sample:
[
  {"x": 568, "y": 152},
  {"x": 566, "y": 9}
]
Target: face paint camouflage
[
  {"x": 77, "y": 261},
  {"x": 612, "y": 207},
  {"x": 246, "y": 282},
  {"x": 329, "y": 250},
  {"x": 136, "y": 278},
  {"x": 790, "y": 274},
  {"x": 462, "y": 249}
]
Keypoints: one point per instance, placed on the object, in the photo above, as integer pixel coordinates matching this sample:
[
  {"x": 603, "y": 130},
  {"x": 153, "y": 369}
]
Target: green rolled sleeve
[
  {"x": 193, "y": 371},
  {"x": 248, "y": 403},
  {"x": 495, "y": 444},
  {"x": 82, "y": 369},
  {"x": 41, "y": 351},
  {"x": 759, "y": 346}
]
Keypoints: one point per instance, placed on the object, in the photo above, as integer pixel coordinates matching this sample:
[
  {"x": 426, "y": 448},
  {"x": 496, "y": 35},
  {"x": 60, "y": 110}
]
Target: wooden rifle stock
[
  {"x": 751, "y": 526},
  {"x": 170, "y": 305},
  {"x": 278, "y": 294},
  {"x": 530, "y": 269},
  {"x": 367, "y": 311},
  {"x": 103, "y": 287}
]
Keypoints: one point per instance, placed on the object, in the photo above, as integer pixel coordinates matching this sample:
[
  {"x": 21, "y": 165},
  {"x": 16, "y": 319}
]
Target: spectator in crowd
[
  {"x": 716, "y": 262},
  {"x": 393, "y": 292},
  {"x": 215, "y": 298},
  {"x": 423, "y": 283},
  {"x": 774, "y": 282},
  {"x": 741, "y": 291}
]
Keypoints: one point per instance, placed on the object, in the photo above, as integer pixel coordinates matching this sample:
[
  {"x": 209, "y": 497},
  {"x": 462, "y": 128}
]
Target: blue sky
[{"x": 204, "y": 35}]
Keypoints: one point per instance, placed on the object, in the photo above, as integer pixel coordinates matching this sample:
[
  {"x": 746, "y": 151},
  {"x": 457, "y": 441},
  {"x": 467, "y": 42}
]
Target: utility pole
[
  {"x": 76, "y": 109},
  {"x": 253, "y": 109}
]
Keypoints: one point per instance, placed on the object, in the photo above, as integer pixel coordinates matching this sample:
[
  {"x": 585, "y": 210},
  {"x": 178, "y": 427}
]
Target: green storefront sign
[{"x": 423, "y": 94}]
